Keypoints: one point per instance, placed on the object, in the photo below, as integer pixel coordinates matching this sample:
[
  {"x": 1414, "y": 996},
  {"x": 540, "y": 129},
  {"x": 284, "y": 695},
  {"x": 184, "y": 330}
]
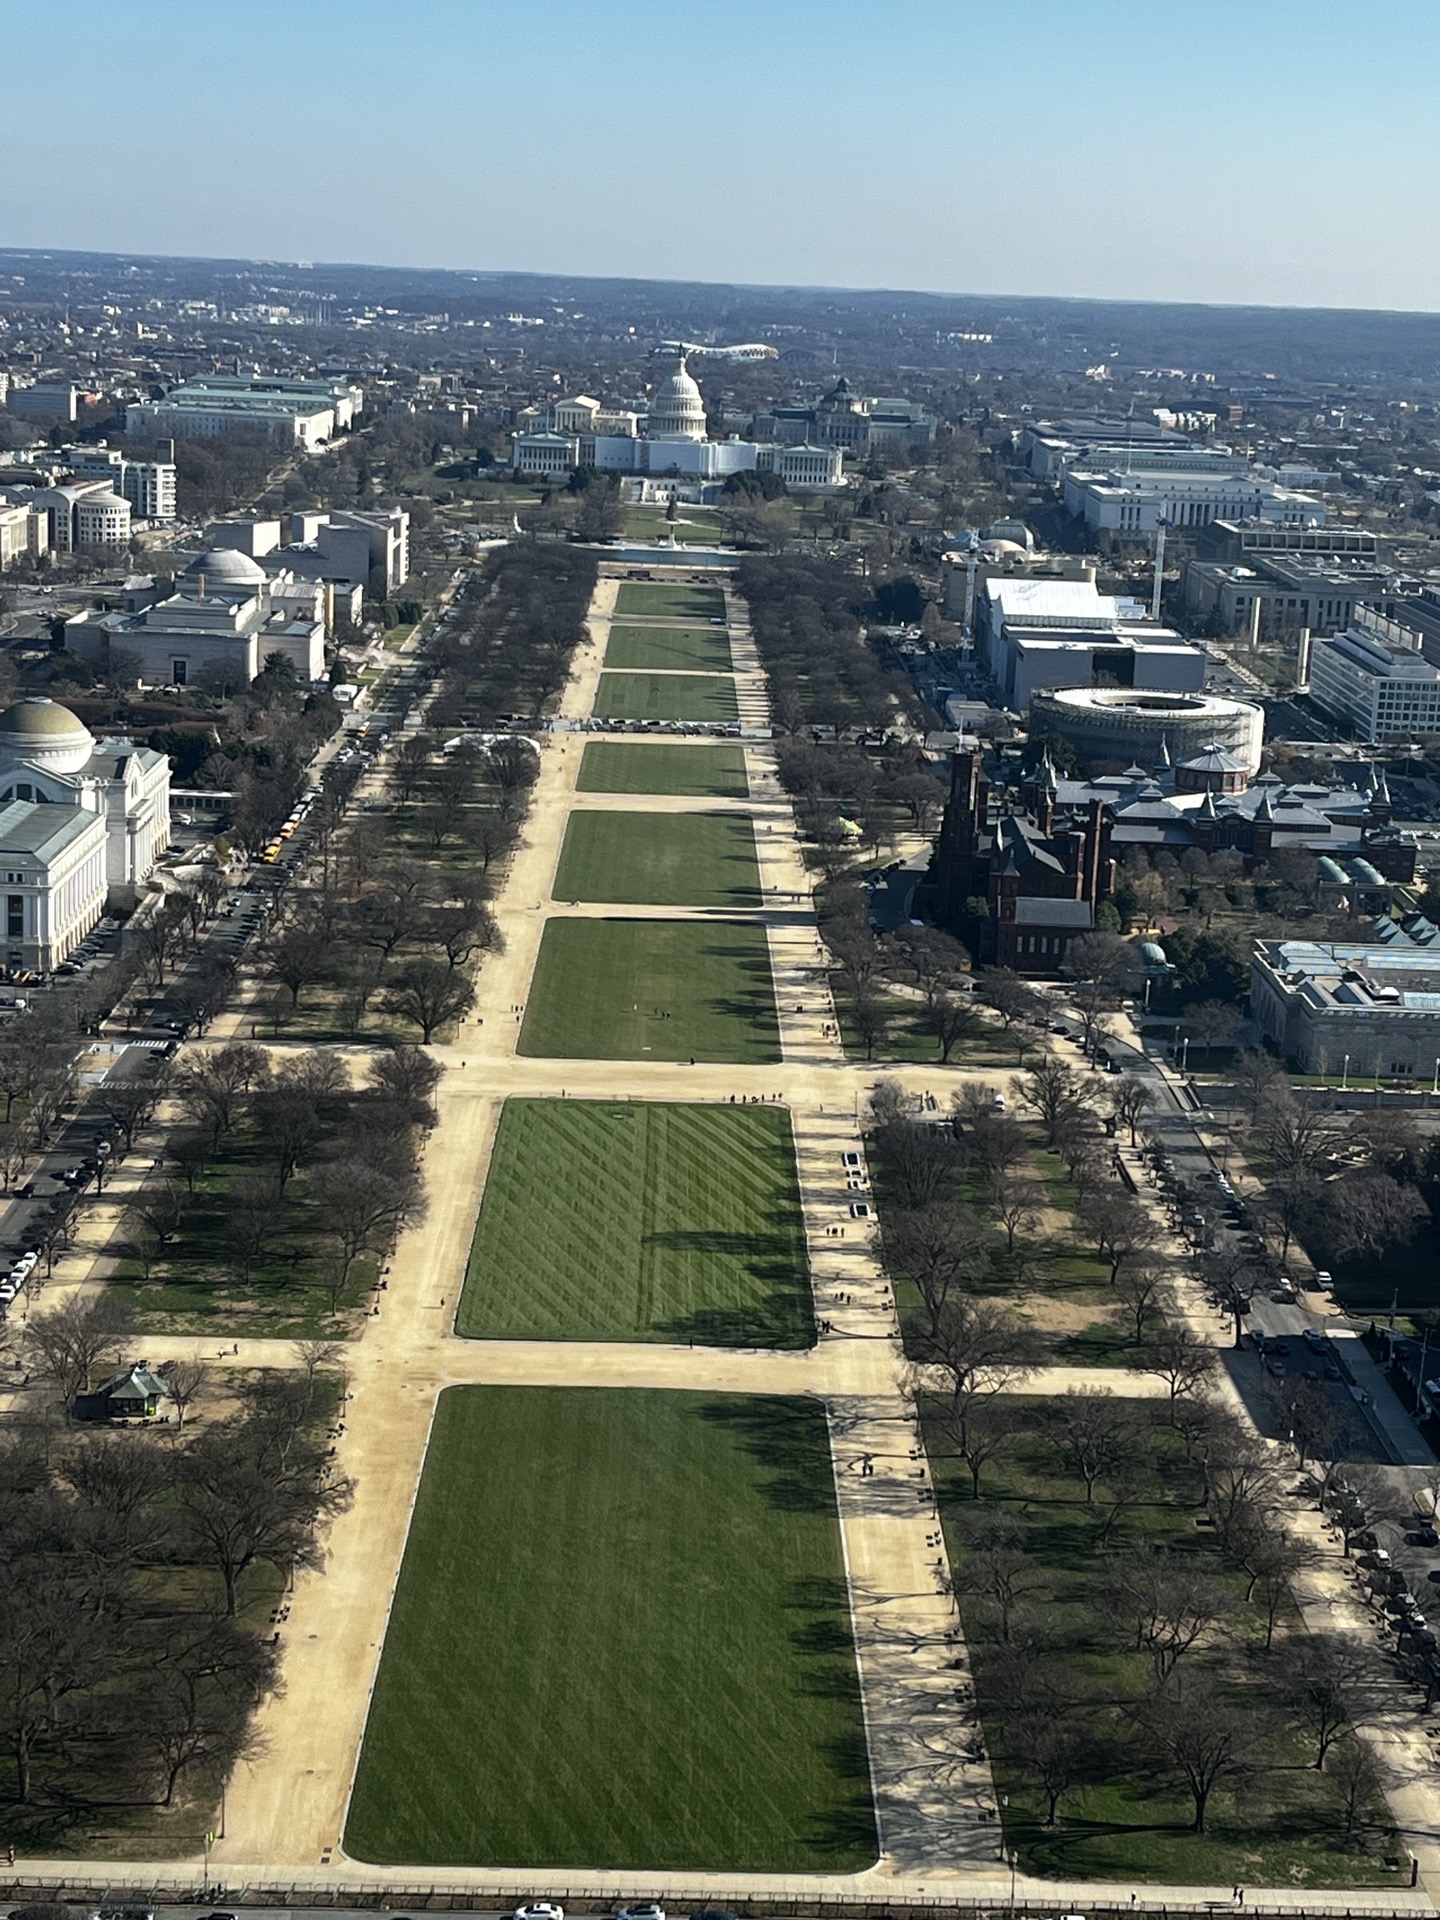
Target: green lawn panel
[
  {"x": 652, "y": 990},
  {"x": 665, "y": 696},
  {"x": 615, "y": 766},
  {"x": 660, "y": 860},
  {"x": 620, "y": 1639},
  {"x": 682, "y": 649},
  {"x": 673, "y": 602},
  {"x": 640, "y": 1221}
]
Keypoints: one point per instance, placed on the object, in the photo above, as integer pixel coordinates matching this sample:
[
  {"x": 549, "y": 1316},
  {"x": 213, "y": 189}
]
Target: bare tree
[
  {"x": 1357, "y": 1781},
  {"x": 1017, "y": 1004},
  {"x": 997, "y": 1566},
  {"x": 1322, "y": 1676},
  {"x": 983, "y": 1348},
  {"x": 1185, "y": 1364},
  {"x": 254, "y": 1220},
  {"x": 360, "y": 1208},
  {"x": 1170, "y": 1599},
  {"x": 1060, "y": 1097},
  {"x": 1016, "y": 1203},
  {"x": 430, "y": 995},
  {"x": 409, "y": 1077},
  {"x": 240, "y": 1505},
  {"x": 870, "y": 1015},
  {"x": 1092, "y": 1432},
  {"x": 939, "y": 1248},
  {"x": 919, "y": 1162},
  {"x": 185, "y": 1381},
  {"x": 1130, "y": 1100},
  {"x": 978, "y": 1434},
  {"x": 71, "y": 1341},
  {"x": 1054, "y": 1750},
  {"x": 1145, "y": 1291},
  {"x": 1201, "y": 1735}
]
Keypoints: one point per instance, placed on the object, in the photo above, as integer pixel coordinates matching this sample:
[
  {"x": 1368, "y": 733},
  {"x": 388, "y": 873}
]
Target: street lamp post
[
  {"x": 1184, "y": 1052},
  {"x": 1435, "y": 1083},
  {"x": 1345, "y": 1075}
]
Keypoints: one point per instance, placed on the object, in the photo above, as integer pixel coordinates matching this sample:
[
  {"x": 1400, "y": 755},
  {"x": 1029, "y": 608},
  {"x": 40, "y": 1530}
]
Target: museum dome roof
[
  {"x": 223, "y": 567},
  {"x": 41, "y": 730}
]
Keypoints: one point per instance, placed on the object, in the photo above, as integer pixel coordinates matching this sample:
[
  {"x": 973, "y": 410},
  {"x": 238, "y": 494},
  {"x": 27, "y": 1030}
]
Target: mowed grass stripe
[
  {"x": 617, "y": 766},
  {"x": 620, "y": 1639},
  {"x": 640, "y": 1221},
  {"x": 699, "y": 649},
  {"x": 651, "y": 990},
  {"x": 665, "y": 696},
  {"x": 660, "y": 860},
  {"x": 676, "y": 602}
]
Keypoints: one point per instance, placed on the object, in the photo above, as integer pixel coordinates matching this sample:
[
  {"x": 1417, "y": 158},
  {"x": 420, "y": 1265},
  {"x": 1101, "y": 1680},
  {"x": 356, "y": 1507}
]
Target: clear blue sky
[{"x": 1279, "y": 151}]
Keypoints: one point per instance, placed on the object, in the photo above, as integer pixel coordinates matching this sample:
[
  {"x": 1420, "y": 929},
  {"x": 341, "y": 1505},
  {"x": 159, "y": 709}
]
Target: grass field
[
  {"x": 620, "y": 1639},
  {"x": 640, "y": 1221},
  {"x": 659, "y": 860},
  {"x": 614, "y": 766},
  {"x": 679, "y": 649},
  {"x": 665, "y": 696},
  {"x": 659, "y": 602},
  {"x": 695, "y": 528},
  {"x": 651, "y": 990}
]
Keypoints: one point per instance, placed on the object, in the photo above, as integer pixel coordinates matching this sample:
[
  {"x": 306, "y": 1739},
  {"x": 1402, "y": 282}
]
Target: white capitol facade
[{"x": 674, "y": 442}]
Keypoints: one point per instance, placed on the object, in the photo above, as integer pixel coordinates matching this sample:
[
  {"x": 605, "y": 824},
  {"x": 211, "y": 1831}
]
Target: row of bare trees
[
  {"x": 1226, "y": 1683},
  {"x": 264, "y": 1126}
]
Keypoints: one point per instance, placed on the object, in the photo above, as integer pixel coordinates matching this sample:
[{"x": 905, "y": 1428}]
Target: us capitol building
[
  {"x": 82, "y": 824},
  {"x": 668, "y": 442}
]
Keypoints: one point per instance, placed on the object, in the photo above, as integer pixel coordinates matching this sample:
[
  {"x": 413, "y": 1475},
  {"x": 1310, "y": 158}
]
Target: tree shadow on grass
[
  {"x": 779, "y": 1316},
  {"x": 790, "y": 1440}
]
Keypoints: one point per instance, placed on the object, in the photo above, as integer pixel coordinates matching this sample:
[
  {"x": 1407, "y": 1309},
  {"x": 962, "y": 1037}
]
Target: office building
[
  {"x": 1358, "y": 1008},
  {"x": 1134, "y": 504},
  {"x": 148, "y": 485},
  {"x": 77, "y": 514},
  {"x": 1035, "y": 633},
  {"x": 347, "y": 550},
  {"x": 1212, "y": 801},
  {"x": 1376, "y": 679},
  {"x": 24, "y": 530},
  {"x": 305, "y": 412},
  {"x": 844, "y": 418},
  {"x": 371, "y": 550},
  {"x": 46, "y": 400}
]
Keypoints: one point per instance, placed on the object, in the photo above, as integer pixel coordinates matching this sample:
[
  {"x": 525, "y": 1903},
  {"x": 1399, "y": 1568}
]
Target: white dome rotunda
[
  {"x": 677, "y": 412},
  {"x": 222, "y": 570},
  {"x": 41, "y": 733}
]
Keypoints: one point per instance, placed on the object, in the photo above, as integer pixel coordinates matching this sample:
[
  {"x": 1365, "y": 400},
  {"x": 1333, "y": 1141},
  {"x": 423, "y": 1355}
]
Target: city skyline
[{"x": 1098, "y": 152}]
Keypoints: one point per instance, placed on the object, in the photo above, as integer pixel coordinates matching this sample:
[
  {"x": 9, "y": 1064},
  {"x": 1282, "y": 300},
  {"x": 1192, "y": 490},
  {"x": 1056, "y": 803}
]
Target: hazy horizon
[{"x": 1213, "y": 155}]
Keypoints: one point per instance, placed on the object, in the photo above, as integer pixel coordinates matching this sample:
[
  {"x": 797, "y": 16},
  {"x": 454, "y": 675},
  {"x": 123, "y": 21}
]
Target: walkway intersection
[{"x": 933, "y": 1790}]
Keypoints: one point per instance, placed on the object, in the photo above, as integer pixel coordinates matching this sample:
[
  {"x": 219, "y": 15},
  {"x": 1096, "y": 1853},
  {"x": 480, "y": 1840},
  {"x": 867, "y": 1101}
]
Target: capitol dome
[
  {"x": 677, "y": 412},
  {"x": 44, "y": 734},
  {"x": 224, "y": 570}
]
